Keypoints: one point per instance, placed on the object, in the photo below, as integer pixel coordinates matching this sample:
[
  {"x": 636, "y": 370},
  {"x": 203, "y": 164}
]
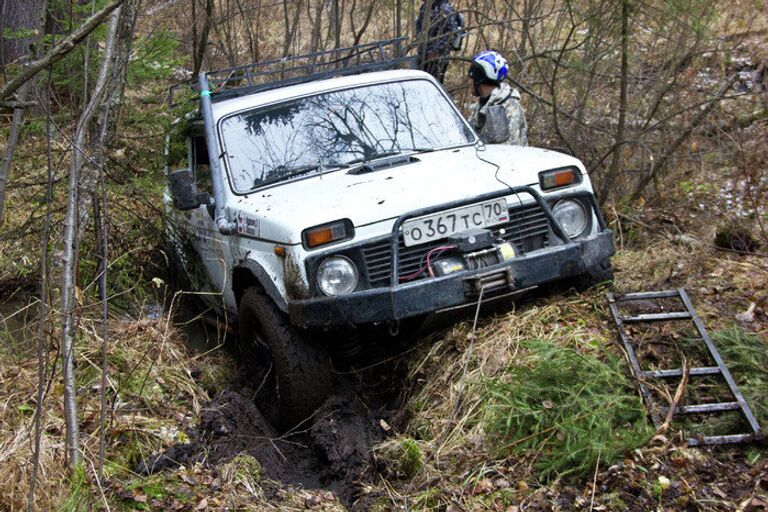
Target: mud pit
[{"x": 329, "y": 451}]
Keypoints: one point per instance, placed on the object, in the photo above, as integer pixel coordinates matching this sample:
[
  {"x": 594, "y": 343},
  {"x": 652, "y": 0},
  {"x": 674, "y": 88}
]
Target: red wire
[{"x": 416, "y": 274}]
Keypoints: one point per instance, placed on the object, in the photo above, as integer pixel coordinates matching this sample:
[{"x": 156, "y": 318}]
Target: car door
[{"x": 210, "y": 243}]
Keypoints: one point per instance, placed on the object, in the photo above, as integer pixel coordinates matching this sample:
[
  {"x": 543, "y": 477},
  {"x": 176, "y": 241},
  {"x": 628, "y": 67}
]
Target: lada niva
[{"x": 360, "y": 196}]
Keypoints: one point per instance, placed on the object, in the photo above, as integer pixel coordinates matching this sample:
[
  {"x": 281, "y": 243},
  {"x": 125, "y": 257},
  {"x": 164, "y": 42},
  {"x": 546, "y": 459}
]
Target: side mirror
[
  {"x": 184, "y": 192},
  {"x": 495, "y": 130}
]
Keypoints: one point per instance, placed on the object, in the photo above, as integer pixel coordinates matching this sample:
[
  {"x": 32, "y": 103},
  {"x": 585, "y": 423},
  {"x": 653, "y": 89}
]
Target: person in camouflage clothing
[
  {"x": 437, "y": 27},
  {"x": 488, "y": 71}
]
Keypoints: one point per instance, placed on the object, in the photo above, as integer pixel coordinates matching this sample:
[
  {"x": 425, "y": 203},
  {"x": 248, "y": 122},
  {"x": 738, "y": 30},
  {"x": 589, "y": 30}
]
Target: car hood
[{"x": 284, "y": 211}]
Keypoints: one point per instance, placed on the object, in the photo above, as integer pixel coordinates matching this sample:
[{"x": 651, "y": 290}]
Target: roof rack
[{"x": 262, "y": 76}]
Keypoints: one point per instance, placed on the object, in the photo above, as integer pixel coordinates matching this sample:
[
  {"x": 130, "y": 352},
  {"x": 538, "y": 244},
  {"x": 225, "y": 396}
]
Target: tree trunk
[
  {"x": 112, "y": 92},
  {"x": 19, "y": 20},
  {"x": 42, "y": 336},
  {"x": 69, "y": 262},
  {"x": 17, "y": 122},
  {"x": 613, "y": 169},
  {"x": 200, "y": 44}
]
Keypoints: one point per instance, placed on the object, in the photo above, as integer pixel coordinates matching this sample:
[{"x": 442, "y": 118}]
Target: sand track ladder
[{"x": 645, "y": 378}]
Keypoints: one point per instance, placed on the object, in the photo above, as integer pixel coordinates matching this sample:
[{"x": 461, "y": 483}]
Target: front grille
[{"x": 528, "y": 229}]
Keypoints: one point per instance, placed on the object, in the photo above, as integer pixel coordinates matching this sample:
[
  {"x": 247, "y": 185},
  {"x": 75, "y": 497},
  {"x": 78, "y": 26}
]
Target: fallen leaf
[
  {"x": 484, "y": 486},
  {"x": 501, "y": 483},
  {"x": 547, "y": 404},
  {"x": 385, "y": 426},
  {"x": 188, "y": 479},
  {"x": 202, "y": 505},
  {"x": 313, "y": 501},
  {"x": 139, "y": 497}
]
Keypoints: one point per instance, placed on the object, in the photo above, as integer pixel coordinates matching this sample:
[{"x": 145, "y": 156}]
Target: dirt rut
[{"x": 329, "y": 451}]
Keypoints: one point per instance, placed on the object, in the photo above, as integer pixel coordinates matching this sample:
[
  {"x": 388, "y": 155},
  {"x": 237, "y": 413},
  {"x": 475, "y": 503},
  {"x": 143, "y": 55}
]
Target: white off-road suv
[{"x": 346, "y": 191}]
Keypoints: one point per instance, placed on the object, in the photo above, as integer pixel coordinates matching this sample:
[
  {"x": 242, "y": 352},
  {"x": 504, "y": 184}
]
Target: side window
[{"x": 201, "y": 166}]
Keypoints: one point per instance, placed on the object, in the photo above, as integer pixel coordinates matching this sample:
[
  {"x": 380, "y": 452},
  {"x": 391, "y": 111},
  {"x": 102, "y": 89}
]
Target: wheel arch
[{"x": 249, "y": 273}]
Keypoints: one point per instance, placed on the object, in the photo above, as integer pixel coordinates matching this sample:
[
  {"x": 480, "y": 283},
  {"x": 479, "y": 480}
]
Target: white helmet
[{"x": 488, "y": 66}]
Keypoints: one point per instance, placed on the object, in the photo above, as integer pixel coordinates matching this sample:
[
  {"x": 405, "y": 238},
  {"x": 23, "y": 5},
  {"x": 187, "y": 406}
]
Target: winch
[{"x": 471, "y": 250}]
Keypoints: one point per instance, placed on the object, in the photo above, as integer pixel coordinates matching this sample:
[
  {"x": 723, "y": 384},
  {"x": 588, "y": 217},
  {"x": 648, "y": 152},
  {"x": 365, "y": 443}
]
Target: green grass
[
  {"x": 564, "y": 408},
  {"x": 746, "y": 356},
  {"x": 80, "y": 498}
]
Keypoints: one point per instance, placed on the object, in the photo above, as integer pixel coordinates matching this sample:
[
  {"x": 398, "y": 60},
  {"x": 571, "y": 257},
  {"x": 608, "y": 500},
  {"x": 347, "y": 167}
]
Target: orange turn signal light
[
  {"x": 559, "y": 178},
  {"x": 319, "y": 237},
  {"x": 327, "y": 233}
]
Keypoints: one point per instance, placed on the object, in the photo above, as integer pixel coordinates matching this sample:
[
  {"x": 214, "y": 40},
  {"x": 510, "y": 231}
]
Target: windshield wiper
[
  {"x": 383, "y": 154},
  {"x": 297, "y": 171},
  {"x": 372, "y": 156}
]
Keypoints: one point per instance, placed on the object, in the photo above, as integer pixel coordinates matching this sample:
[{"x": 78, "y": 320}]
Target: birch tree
[{"x": 71, "y": 234}]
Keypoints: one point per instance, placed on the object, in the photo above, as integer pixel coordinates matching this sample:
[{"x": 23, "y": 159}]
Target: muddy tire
[
  {"x": 600, "y": 273},
  {"x": 295, "y": 376}
]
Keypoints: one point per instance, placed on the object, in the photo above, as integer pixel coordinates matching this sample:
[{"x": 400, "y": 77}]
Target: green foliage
[
  {"x": 411, "y": 458},
  {"x": 403, "y": 457},
  {"x": 566, "y": 407},
  {"x": 80, "y": 498},
  {"x": 157, "y": 55},
  {"x": 747, "y": 358},
  {"x": 698, "y": 15},
  {"x": 243, "y": 468},
  {"x": 67, "y": 74},
  {"x": 22, "y": 33}
]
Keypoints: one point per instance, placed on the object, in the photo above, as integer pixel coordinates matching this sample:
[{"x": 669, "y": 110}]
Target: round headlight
[
  {"x": 337, "y": 276},
  {"x": 572, "y": 216}
]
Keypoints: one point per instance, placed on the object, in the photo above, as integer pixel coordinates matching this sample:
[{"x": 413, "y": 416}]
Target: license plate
[{"x": 444, "y": 224}]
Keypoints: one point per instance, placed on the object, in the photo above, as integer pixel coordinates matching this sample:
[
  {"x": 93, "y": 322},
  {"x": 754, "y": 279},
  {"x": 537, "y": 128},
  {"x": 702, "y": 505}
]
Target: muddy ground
[
  {"x": 330, "y": 451},
  {"x": 328, "y": 461}
]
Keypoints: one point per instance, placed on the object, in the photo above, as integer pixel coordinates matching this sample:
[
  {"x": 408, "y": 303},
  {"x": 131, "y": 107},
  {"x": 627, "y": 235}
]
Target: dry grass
[
  {"x": 462, "y": 465},
  {"x": 447, "y": 411},
  {"x": 150, "y": 388}
]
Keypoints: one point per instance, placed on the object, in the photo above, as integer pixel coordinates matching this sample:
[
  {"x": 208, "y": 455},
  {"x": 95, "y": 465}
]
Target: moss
[
  {"x": 411, "y": 459},
  {"x": 243, "y": 470},
  {"x": 217, "y": 377},
  {"x": 429, "y": 499},
  {"x": 400, "y": 458}
]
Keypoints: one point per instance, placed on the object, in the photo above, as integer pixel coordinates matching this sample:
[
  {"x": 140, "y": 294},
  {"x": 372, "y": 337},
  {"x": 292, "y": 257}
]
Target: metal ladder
[{"x": 642, "y": 377}]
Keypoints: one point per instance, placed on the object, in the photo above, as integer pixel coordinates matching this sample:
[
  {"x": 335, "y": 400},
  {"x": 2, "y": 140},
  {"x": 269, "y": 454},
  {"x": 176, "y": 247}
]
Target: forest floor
[{"x": 420, "y": 431}]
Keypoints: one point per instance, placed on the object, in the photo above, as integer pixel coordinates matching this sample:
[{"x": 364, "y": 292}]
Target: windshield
[{"x": 338, "y": 128}]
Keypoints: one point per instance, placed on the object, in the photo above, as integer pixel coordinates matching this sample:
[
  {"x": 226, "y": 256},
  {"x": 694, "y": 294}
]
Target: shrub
[{"x": 566, "y": 407}]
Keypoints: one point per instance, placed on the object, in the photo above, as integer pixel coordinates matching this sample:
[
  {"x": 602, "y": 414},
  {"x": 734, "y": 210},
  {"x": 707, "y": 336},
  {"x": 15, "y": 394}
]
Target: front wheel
[{"x": 295, "y": 376}]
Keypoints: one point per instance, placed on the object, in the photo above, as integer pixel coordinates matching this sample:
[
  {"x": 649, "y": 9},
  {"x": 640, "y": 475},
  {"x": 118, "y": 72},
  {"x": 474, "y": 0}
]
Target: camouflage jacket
[
  {"x": 442, "y": 24},
  {"x": 510, "y": 99}
]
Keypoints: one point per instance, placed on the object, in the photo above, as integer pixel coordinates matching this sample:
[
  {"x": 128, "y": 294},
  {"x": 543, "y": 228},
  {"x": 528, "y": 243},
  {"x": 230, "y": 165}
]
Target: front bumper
[{"x": 428, "y": 295}]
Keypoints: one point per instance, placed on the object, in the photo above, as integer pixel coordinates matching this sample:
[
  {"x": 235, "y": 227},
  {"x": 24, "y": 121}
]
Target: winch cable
[
  {"x": 467, "y": 357},
  {"x": 480, "y": 146}
]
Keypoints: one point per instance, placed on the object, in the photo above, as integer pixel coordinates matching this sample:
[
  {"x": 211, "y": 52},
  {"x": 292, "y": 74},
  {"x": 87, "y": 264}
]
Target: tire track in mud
[{"x": 329, "y": 451}]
